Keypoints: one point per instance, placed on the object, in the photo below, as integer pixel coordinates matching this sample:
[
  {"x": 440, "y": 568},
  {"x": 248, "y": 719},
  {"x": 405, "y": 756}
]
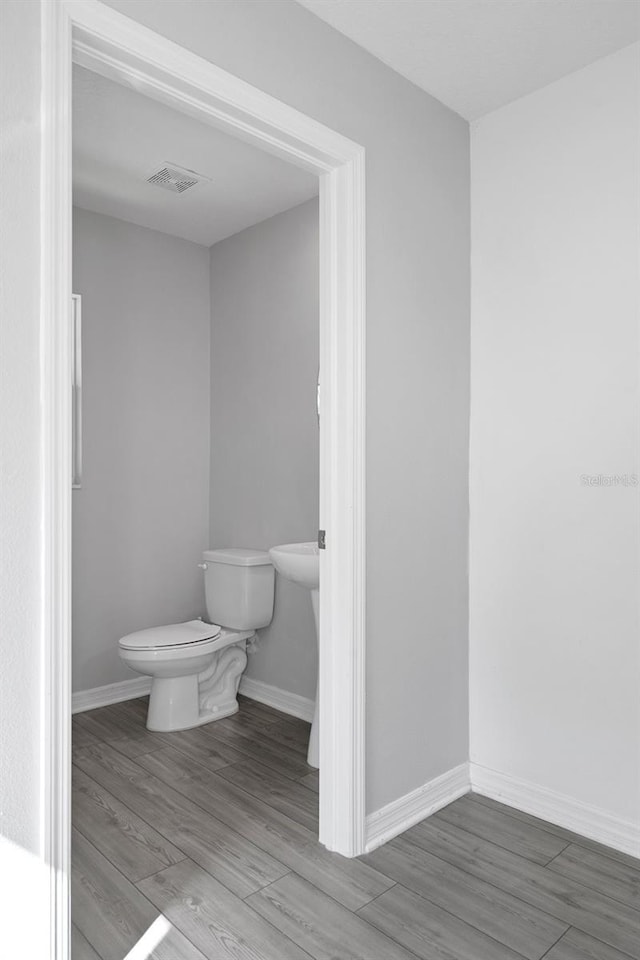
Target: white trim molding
[
  {"x": 56, "y": 478},
  {"x": 283, "y": 700},
  {"x": 581, "y": 818},
  {"x": 399, "y": 815},
  {"x": 111, "y": 693},
  {"x": 112, "y": 45}
]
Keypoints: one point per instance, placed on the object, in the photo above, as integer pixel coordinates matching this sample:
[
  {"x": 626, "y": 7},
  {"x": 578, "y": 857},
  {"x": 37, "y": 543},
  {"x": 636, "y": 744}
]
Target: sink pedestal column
[
  {"x": 300, "y": 563},
  {"x": 313, "y": 754}
]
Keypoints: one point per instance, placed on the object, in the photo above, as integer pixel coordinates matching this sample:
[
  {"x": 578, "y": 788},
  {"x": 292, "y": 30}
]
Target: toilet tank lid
[{"x": 238, "y": 557}]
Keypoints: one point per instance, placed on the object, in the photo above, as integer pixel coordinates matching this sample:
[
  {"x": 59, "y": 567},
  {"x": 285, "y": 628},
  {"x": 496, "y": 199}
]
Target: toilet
[{"x": 196, "y": 666}]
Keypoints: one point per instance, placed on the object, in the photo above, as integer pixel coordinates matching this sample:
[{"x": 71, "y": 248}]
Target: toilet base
[
  {"x": 183, "y": 702},
  {"x": 174, "y": 705}
]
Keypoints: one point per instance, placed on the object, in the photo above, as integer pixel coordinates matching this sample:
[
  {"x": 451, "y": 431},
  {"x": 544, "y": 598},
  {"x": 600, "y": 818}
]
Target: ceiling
[
  {"x": 121, "y": 137},
  {"x": 477, "y": 55}
]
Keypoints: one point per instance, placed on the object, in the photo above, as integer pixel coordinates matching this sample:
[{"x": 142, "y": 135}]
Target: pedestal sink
[{"x": 300, "y": 563}]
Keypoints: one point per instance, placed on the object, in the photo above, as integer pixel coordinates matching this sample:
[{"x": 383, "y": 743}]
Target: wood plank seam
[{"x": 560, "y": 852}]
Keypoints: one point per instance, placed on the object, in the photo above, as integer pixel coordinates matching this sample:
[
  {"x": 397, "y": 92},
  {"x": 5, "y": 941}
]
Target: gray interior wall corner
[{"x": 264, "y": 429}]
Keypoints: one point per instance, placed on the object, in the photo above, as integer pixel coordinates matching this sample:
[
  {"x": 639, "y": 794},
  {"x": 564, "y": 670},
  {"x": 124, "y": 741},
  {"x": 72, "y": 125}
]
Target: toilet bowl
[{"x": 196, "y": 666}]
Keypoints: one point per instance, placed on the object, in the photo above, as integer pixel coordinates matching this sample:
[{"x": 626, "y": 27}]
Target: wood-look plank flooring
[{"x": 202, "y": 845}]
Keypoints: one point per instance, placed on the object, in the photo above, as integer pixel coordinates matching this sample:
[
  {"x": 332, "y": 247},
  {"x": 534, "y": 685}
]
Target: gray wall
[
  {"x": 417, "y": 359},
  {"x": 141, "y": 519},
  {"x": 264, "y": 430}
]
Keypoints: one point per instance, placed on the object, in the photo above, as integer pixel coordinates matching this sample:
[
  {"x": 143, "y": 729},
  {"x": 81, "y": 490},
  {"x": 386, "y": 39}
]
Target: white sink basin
[{"x": 298, "y": 562}]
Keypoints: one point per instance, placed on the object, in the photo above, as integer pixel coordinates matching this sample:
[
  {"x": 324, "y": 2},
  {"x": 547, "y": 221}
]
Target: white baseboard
[
  {"x": 405, "y": 812},
  {"x": 291, "y": 703},
  {"x": 111, "y": 693},
  {"x": 564, "y": 811}
]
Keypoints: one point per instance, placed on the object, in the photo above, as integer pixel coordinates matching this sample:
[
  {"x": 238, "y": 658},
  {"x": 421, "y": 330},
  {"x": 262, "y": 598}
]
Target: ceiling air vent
[{"x": 176, "y": 179}]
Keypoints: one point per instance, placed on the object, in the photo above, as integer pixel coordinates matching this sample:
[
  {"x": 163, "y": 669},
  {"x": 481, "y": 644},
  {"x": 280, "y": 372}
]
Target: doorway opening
[{"x": 111, "y": 46}]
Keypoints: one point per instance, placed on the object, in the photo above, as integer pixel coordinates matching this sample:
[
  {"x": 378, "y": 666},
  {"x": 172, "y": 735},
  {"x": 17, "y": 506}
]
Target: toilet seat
[{"x": 192, "y": 633}]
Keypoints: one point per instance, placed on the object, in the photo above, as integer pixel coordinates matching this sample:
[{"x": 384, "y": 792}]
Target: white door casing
[{"x": 102, "y": 40}]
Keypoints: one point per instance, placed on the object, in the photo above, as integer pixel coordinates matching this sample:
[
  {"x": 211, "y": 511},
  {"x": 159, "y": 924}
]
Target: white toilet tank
[{"x": 239, "y": 586}]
